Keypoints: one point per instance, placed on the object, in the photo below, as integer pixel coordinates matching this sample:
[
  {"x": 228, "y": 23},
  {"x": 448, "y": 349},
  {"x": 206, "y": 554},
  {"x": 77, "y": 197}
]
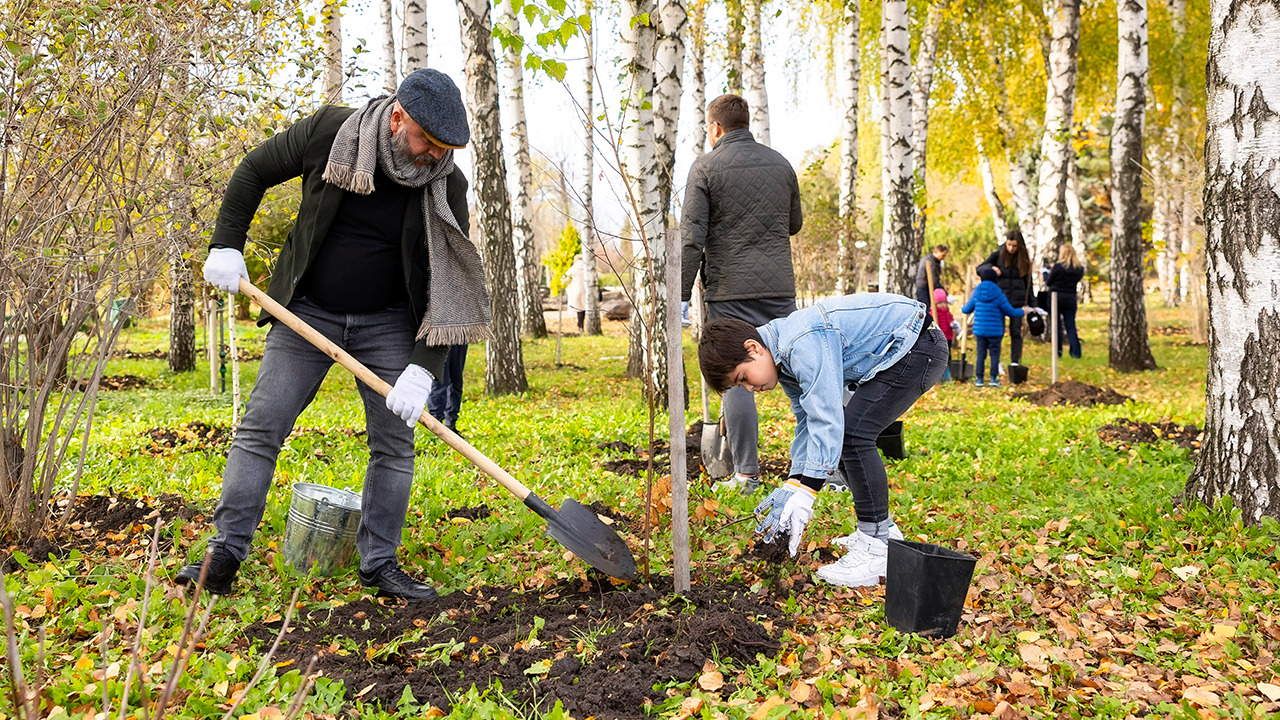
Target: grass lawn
[{"x": 1095, "y": 593}]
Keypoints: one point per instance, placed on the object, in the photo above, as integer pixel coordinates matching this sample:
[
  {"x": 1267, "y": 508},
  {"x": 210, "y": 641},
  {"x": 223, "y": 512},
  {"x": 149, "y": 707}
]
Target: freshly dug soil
[
  {"x": 1126, "y": 432},
  {"x": 1071, "y": 392},
  {"x": 596, "y": 648},
  {"x": 194, "y": 435},
  {"x": 638, "y": 466},
  {"x": 478, "y": 512},
  {"x": 115, "y": 382}
]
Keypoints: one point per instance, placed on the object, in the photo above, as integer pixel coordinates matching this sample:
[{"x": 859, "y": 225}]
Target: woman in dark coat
[
  {"x": 1062, "y": 279},
  {"x": 1013, "y": 275}
]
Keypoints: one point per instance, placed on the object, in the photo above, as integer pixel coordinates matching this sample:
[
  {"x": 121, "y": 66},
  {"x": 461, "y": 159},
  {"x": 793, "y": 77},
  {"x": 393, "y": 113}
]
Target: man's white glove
[
  {"x": 789, "y": 508},
  {"x": 409, "y": 396},
  {"x": 223, "y": 269}
]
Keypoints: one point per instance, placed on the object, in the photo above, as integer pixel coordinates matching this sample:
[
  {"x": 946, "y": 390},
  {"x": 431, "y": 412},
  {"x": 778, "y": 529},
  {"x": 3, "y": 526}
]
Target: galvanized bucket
[{"x": 321, "y": 530}]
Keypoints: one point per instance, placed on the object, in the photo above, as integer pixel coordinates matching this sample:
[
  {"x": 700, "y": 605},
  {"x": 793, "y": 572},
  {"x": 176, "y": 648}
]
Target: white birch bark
[
  {"x": 921, "y": 86},
  {"x": 1075, "y": 214},
  {"x": 331, "y": 17},
  {"x": 899, "y": 250},
  {"x": 591, "y": 324},
  {"x": 641, "y": 174},
  {"x": 1164, "y": 235},
  {"x": 504, "y": 359},
  {"x": 733, "y": 10},
  {"x": 1128, "y": 346},
  {"x": 668, "y": 81},
  {"x": 1240, "y": 454},
  {"x": 851, "y": 26},
  {"x": 528, "y": 266},
  {"x": 390, "y": 78},
  {"x": 413, "y": 39},
  {"x": 753, "y": 72},
  {"x": 1059, "y": 107},
  {"x": 698, "y": 60},
  {"x": 1019, "y": 184},
  {"x": 1024, "y": 203},
  {"x": 989, "y": 189}
]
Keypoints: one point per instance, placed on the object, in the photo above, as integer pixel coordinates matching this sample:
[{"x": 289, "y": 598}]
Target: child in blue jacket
[
  {"x": 850, "y": 366},
  {"x": 989, "y": 306}
]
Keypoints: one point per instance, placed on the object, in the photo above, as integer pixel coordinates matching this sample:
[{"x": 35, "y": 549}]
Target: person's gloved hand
[
  {"x": 789, "y": 508},
  {"x": 409, "y": 396},
  {"x": 223, "y": 269}
]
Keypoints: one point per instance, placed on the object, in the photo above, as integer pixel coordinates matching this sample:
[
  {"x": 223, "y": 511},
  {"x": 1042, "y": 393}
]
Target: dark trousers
[
  {"x": 987, "y": 347},
  {"x": 445, "y": 401},
  {"x": 582, "y": 318},
  {"x": 1015, "y": 341},
  {"x": 873, "y": 407},
  {"x": 1067, "y": 333}
]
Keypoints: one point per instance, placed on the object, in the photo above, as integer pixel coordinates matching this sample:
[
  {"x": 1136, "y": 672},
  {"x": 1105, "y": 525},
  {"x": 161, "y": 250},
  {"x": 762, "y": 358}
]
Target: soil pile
[
  {"x": 596, "y": 648},
  {"x": 478, "y": 512},
  {"x": 1071, "y": 392},
  {"x": 1125, "y": 433},
  {"x": 637, "y": 466},
  {"x": 194, "y": 435},
  {"x": 115, "y": 382}
]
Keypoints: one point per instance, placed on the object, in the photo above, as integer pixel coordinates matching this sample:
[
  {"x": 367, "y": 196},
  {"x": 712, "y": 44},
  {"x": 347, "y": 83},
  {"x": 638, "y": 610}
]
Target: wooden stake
[{"x": 675, "y": 410}]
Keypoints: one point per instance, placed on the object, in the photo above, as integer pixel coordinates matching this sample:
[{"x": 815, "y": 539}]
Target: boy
[
  {"x": 851, "y": 366},
  {"x": 989, "y": 306}
]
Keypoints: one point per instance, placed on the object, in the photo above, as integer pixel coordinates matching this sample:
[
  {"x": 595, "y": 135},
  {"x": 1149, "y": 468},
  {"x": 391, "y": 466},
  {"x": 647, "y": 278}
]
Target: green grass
[{"x": 1095, "y": 595}]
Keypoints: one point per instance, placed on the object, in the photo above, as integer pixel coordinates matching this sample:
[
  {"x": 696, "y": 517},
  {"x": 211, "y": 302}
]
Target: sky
[{"x": 803, "y": 117}]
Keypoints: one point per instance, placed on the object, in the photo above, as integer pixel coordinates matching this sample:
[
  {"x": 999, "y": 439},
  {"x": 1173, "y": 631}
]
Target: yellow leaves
[
  {"x": 1034, "y": 656},
  {"x": 84, "y": 663},
  {"x": 432, "y": 713},
  {"x": 1186, "y": 572},
  {"x": 1028, "y": 636},
  {"x": 1201, "y": 696},
  {"x": 1272, "y": 692},
  {"x": 690, "y": 707},
  {"x": 365, "y": 690},
  {"x": 711, "y": 679},
  {"x": 799, "y": 691},
  {"x": 762, "y": 712}
]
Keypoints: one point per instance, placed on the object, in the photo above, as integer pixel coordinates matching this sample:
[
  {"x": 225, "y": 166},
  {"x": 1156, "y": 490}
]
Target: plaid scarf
[{"x": 457, "y": 300}]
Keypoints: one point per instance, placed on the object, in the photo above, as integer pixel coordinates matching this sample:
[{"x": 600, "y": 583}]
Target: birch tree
[
  {"x": 390, "y": 78},
  {"x": 698, "y": 60},
  {"x": 591, "y": 324},
  {"x": 851, "y": 46},
  {"x": 1240, "y": 456},
  {"x": 528, "y": 265},
  {"x": 413, "y": 39},
  {"x": 1128, "y": 346},
  {"x": 733, "y": 10},
  {"x": 753, "y": 87},
  {"x": 1059, "y": 108},
  {"x": 504, "y": 358},
  {"x": 989, "y": 190},
  {"x": 668, "y": 82},
  {"x": 331, "y": 17},
  {"x": 921, "y": 85},
  {"x": 899, "y": 250},
  {"x": 182, "y": 296}
]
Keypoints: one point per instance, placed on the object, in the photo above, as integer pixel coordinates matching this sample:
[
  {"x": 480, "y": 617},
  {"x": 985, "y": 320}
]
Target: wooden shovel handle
[{"x": 366, "y": 376}]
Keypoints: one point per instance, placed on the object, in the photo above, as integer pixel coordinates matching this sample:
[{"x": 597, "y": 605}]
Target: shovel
[
  {"x": 716, "y": 455},
  {"x": 574, "y": 526}
]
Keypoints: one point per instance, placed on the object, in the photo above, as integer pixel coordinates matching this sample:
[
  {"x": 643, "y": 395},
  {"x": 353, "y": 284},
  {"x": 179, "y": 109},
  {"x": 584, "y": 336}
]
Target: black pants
[
  {"x": 1015, "y": 340},
  {"x": 445, "y": 401}
]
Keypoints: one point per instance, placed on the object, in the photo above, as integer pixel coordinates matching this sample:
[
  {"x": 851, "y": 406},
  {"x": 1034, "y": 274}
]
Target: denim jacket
[{"x": 822, "y": 350}]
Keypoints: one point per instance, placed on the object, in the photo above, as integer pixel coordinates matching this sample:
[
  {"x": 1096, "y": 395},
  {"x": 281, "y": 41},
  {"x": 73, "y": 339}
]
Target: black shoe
[
  {"x": 222, "y": 572},
  {"x": 392, "y": 581}
]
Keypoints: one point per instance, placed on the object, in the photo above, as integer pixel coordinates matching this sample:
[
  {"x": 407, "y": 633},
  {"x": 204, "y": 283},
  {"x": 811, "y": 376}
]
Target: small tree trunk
[
  {"x": 698, "y": 59},
  {"x": 899, "y": 250},
  {"x": 1076, "y": 215},
  {"x": 1129, "y": 350},
  {"x": 733, "y": 10},
  {"x": 182, "y": 293},
  {"x": 849, "y": 70},
  {"x": 390, "y": 78},
  {"x": 921, "y": 87},
  {"x": 413, "y": 39},
  {"x": 1055, "y": 145},
  {"x": 591, "y": 278},
  {"x": 753, "y": 72},
  {"x": 668, "y": 76},
  {"x": 331, "y": 15},
  {"x": 989, "y": 189}
]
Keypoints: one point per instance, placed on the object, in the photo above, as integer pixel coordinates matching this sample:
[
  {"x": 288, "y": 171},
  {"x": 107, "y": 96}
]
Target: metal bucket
[{"x": 321, "y": 530}]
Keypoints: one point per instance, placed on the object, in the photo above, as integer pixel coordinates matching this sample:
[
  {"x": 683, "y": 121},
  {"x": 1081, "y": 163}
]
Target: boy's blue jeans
[
  {"x": 445, "y": 400},
  {"x": 873, "y": 407},
  {"x": 988, "y": 346}
]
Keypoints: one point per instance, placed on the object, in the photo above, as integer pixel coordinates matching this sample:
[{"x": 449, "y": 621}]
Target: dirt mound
[
  {"x": 194, "y": 435},
  {"x": 478, "y": 512},
  {"x": 115, "y": 382},
  {"x": 1126, "y": 432},
  {"x": 1071, "y": 392},
  {"x": 639, "y": 465},
  {"x": 596, "y": 648}
]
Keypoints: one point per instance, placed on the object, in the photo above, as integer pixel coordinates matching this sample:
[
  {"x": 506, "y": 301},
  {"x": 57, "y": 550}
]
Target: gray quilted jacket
[{"x": 741, "y": 207}]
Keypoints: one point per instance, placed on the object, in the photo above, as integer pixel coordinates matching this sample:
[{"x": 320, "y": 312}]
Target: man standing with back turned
[
  {"x": 378, "y": 262},
  {"x": 741, "y": 207}
]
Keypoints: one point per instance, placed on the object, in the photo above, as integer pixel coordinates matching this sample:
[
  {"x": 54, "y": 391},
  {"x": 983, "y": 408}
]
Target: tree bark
[
  {"x": 989, "y": 189},
  {"x": 851, "y": 27},
  {"x": 921, "y": 86},
  {"x": 753, "y": 72},
  {"x": 182, "y": 293},
  {"x": 698, "y": 59},
  {"x": 1055, "y": 144},
  {"x": 413, "y": 39},
  {"x": 668, "y": 82},
  {"x": 390, "y": 78},
  {"x": 331, "y": 16},
  {"x": 1075, "y": 214},
  {"x": 1129, "y": 350},
  {"x": 504, "y": 366},
  {"x": 899, "y": 250},
  {"x": 528, "y": 265},
  {"x": 733, "y": 10},
  {"x": 591, "y": 325},
  {"x": 1240, "y": 456}
]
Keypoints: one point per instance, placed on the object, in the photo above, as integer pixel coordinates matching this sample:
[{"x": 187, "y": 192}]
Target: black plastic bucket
[
  {"x": 961, "y": 370},
  {"x": 925, "y": 587},
  {"x": 890, "y": 442},
  {"x": 1017, "y": 374}
]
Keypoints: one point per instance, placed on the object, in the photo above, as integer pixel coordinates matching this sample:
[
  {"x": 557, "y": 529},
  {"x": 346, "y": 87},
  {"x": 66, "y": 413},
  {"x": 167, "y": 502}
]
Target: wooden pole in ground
[
  {"x": 1053, "y": 328},
  {"x": 235, "y": 361},
  {"x": 675, "y": 409},
  {"x": 210, "y": 340},
  {"x": 933, "y": 306}
]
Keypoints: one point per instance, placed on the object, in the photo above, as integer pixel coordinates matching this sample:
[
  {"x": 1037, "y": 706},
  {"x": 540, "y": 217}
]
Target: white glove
[
  {"x": 409, "y": 396},
  {"x": 223, "y": 269},
  {"x": 789, "y": 508}
]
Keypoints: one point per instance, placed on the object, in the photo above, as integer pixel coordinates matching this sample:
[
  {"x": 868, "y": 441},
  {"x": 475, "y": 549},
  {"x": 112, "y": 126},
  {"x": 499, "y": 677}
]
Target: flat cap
[{"x": 434, "y": 102}]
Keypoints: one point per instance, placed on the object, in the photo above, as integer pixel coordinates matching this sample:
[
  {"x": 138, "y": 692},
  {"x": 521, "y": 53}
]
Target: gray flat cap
[{"x": 435, "y": 103}]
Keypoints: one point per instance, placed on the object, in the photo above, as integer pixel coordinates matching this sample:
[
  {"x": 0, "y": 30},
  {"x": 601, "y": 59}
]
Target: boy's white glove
[
  {"x": 955, "y": 326},
  {"x": 789, "y": 508},
  {"x": 409, "y": 396},
  {"x": 223, "y": 269}
]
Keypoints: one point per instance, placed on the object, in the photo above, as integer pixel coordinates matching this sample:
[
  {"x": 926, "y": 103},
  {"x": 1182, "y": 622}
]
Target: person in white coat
[{"x": 577, "y": 289}]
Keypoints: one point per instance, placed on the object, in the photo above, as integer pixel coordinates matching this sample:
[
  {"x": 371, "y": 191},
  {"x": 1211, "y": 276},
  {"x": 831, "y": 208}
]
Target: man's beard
[{"x": 403, "y": 154}]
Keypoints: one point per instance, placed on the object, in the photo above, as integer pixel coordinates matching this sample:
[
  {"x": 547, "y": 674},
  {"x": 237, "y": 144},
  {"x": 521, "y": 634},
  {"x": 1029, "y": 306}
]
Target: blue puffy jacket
[{"x": 989, "y": 306}]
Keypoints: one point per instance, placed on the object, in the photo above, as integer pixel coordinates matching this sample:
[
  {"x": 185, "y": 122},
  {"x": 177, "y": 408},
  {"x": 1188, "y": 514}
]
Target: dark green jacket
[{"x": 303, "y": 151}]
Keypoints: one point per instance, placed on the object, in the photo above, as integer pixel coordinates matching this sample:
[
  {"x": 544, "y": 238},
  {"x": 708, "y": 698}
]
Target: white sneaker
[
  {"x": 846, "y": 542},
  {"x": 862, "y": 566}
]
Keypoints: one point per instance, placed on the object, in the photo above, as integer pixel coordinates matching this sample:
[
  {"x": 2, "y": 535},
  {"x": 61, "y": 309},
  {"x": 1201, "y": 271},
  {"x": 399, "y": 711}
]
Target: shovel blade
[
  {"x": 716, "y": 457},
  {"x": 585, "y": 535}
]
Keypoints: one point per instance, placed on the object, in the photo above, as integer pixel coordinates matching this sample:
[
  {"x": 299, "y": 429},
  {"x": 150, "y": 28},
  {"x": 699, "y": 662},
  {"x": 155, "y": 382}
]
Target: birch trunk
[
  {"x": 989, "y": 189},
  {"x": 1240, "y": 455},
  {"x": 1019, "y": 184},
  {"x": 733, "y": 10},
  {"x": 899, "y": 250},
  {"x": 1024, "y": 204},
  {"x": 390, "y": 78},
  {"x": 1059, "y": 107},
  {"x": 698, "y": 58},
  {"x": 668, "y": 83},
  {"x": 331, "y": 17},
  {"x": 1164, "y": 234},
  {"x": 413, "y": 39},
  {"x": 504, "y": 358},
  {"x": 921, "y": 86},
  {"x": 1075, "y": 214},
  {"x": 1129, "y": 350},
  {"x": 528, "y": 266},
  {"x": 641, "y": 174},
  {"x": 849, "y": 72},
  {"x": 753, "y": 72},
  {"x": 591, "y": 325}
]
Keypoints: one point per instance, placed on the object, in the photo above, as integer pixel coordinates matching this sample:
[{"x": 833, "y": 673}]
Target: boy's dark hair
[
  {"x": 988, "y": 273},
  {"x": 721, "y": 349},
  {"x": 941, "y": 248},
  {"x": 731, "y": 111}
]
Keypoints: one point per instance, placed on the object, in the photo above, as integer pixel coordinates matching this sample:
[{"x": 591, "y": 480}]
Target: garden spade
[{"x": 574, "y": 526}]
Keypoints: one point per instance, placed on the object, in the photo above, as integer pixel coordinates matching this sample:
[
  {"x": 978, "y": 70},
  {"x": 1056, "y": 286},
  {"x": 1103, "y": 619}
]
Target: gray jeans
[
  {"x": 291, "y": 372},
  {"x": 738, "y": 404}
]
